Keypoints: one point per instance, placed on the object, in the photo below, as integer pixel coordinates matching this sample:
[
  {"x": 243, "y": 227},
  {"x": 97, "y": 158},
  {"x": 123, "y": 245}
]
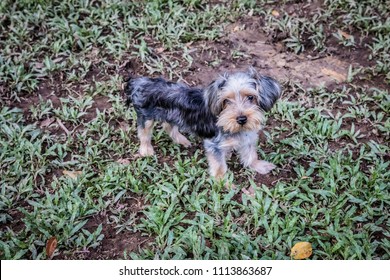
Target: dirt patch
[
  {"x": 15, "y": 224},
  {"x": 100, "y": 103},
  {"x": 114, "y": 244},
  {"x": 270, "y": 59},
  {"x": 246, "y": 44},
  {"x": 118, "y": 242}
]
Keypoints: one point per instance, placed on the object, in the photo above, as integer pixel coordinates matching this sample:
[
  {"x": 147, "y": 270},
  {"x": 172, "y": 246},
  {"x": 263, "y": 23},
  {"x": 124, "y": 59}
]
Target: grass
[{"x": 67, "y": 141}]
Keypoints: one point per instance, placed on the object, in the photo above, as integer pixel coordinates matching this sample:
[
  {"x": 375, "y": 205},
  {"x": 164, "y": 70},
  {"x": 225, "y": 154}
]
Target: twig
[
  {"x": 63, "y": 127},
  {"x": 82, "y": 251}
]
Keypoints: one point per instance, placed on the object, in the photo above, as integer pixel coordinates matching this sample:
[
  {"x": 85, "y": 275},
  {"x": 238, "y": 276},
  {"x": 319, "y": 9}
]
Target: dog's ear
[
  {"x": 253, "y": 73},
  {"x": 212, "y": 94},
  {"x": 269, "y": 92}
]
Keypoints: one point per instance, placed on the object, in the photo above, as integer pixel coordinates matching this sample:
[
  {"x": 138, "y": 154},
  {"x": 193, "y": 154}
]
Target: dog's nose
[{"x": 241, "y": 120}]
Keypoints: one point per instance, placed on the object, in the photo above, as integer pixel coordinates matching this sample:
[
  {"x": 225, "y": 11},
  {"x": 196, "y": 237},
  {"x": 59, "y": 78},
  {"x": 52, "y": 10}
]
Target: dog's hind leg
[
  {"x": 145, "y": 136},
  {"x": 176, "y": 136}
]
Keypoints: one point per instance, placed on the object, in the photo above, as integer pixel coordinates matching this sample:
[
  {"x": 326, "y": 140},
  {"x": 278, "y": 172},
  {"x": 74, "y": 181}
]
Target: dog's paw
[
  {"x": 146, "y": 151},
  {"x": 184, "y": 141},
  {"x": 179, "y": 138},
  {"x": 262, "y": 166}
]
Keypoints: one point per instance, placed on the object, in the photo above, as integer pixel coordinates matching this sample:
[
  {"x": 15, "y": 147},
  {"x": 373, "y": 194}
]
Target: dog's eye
[
  {"x": 226, "y": 102},
  {"x": 250, "y": 98}
]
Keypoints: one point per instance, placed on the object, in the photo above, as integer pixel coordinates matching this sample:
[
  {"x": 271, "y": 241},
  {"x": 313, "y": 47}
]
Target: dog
[{"x": 227, "y": 114}]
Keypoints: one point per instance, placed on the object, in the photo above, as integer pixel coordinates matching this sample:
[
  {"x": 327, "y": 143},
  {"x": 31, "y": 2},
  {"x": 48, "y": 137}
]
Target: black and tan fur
[{"x": 227, "y": 114}]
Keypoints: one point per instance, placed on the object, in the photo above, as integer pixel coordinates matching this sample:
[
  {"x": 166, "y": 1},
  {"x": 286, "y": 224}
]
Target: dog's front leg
[
  {"x": 145, "y": 136},
  {"x": 216, "y": 159}
]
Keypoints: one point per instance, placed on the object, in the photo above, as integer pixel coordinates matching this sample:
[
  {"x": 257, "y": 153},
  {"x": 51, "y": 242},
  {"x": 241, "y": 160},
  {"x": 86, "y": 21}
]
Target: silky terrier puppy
[{"x": 227, "y": 114}]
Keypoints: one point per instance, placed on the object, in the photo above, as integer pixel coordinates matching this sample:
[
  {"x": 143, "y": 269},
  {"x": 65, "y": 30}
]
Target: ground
[{"x": 69, "y": 165}]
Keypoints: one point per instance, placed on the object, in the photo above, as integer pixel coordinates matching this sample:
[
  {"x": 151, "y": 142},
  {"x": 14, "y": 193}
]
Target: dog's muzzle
[{"x": 241, "y": 120}]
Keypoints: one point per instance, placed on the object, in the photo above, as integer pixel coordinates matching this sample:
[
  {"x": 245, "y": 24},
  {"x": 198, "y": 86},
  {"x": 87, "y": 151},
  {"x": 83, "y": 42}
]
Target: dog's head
[{"x": 239, "y": 100}]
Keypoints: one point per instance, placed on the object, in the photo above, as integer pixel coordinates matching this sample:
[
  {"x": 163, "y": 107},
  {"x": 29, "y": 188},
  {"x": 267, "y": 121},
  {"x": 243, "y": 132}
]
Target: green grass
[{"x": 65, "y": 61}]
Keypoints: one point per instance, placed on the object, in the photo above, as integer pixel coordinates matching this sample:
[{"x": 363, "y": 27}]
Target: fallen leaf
[
  {"x": 159, "y": 50},
  {"x": 301, "y": 250},
  {"x": 51, "y": 246},
  {"x": 249, "y": 191},
  {"x": 123, "y": 161},
  {"x": 72, "y": 174},
  {"x": 275, "y": 13},
  {"x": 58, "y": 59},
  {"x": 344, "y": 34},
  {"x": 236, "y": 28},
  {"x": 124, "y": 126},
  {"x": 126, "y": 64},
  {"x": 335, "y": 75},
  {"x": 47, "y": 122},
  {"x": 39, "y": 65}
]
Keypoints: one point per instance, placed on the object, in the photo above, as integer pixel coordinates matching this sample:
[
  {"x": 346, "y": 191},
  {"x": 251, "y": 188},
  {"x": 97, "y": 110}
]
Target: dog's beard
[{"x": 228, "y": 120}]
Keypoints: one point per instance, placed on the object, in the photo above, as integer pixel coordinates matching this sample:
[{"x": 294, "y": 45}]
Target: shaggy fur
[{"x": 228, "y": 114}]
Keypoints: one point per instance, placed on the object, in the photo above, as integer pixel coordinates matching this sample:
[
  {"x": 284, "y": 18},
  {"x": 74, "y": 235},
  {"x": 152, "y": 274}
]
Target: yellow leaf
[
  {"x": 275, "y": 13},
  {"x": 159, "y": 50},
  {"x": 124, "y": 126},
  {"x": 72, "y": 174},
  {"x": 301, "y": 250},
  {"x": 123, "y": 161},
  {"x": 47, "y": 122},
  {"x": 345, "y": 34},
  {"x": 51, "y": 246},
  {"x": 249, "y": 191}
]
